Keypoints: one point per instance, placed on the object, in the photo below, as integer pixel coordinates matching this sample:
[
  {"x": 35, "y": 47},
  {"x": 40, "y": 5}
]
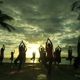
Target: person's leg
[
  {"x": 15, "y": 61},
  {"x": 50, "y": 66},
  {"x": 45, "y": 63},
  {"x": 20, "y": 63},
  {"x": 1, "y": 60},
  {"x": 75, "y": 64}
]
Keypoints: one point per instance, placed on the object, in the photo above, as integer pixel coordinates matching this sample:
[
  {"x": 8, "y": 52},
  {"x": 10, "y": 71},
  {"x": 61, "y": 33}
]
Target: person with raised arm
[
  {"x": 2, "y": 54},
  {"x": 12, "y": 55},
  {"x": 57, "y": 56},
  {"x": 21, "y": 55},
  {"x": 49, "y": 56}
]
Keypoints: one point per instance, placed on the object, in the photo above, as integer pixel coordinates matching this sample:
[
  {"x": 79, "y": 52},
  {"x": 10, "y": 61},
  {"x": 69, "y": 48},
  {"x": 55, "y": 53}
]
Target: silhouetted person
[
  {"x": 57, "y": 56},
  {"x": 2, "y": 54},
  {"x": 77, "y": 59},
  {"x": 49, "y": 56},
  {"x": 12, "y": 55},
  {"x": 33, "y": 56},
  {"x": 21, "y": 55},
  {"x": 69, "y": 54},
  {"x": 78, "y": 47},
  {"x": 42, "y": 53}
]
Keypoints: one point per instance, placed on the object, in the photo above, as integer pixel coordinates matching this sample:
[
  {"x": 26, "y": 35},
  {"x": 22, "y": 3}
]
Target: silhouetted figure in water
[
  {"x": 57, "y": 56},
  {"x": 69, "y": 54},
  {"x": 49, "y": 56},
  {"x": 21, "y": 55},
  {"x": 2, "y": 54},
  {"x": 12, "y": 55},
  {"x": 77, "y": 59}
]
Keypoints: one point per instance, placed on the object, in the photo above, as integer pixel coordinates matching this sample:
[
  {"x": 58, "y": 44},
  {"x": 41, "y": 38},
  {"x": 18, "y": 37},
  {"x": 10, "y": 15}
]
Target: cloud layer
[{"x": 36, "y": 20}]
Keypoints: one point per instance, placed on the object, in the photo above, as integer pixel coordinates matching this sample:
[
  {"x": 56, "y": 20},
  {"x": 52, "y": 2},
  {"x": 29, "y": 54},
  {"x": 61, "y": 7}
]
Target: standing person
[
  {"x": 42, "y": 54},
  {"x": 70, "y": 54},
  {"x": 49, "y": 56},
  {"x": 57, "y": 55},
  {"x": 2, "y": 54},
  {"x": 41, "y": 50},
  {"x": 77, "y": 59},
  {"x": 21, "y": 55},
  {"x": 78, "y": 47},
  {"x": 33, "y": 56},
  {"x": 12, "y": 55}
]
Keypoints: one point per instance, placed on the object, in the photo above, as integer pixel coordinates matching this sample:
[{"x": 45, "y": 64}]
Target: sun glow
[{"x": 32, "y": 48}]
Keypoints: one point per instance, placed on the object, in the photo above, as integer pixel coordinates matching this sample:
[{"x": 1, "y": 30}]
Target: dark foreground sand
[{"x": 28, "y": 72}]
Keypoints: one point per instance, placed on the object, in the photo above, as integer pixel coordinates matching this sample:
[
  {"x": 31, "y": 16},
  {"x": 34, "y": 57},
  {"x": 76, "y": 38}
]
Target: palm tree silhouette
[
  {"x": 77, "y": 6},
  {"x": 3, "y": 18}
]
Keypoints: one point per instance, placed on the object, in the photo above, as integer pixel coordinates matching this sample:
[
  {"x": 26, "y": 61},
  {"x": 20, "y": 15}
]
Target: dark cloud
[{"x": 36, "y": 20}]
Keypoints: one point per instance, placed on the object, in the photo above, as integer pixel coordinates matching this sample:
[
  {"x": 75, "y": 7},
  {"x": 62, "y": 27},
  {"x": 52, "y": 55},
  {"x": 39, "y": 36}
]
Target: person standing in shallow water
[
  {"x": 49, "y": 56},
  {"x": 2, "y": 54}
]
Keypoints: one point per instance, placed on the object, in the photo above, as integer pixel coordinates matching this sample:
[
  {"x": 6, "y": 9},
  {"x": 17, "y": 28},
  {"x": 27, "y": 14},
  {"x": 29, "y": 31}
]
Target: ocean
[{"x": 28, "y": 60}]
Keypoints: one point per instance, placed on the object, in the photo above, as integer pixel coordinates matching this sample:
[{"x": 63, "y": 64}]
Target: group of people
[
  {"x": 47, "y": 54},
  {"x": 21, "y": 56}
]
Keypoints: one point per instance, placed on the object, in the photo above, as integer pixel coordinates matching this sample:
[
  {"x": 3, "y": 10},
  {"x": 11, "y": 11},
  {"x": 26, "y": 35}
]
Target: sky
[{"x": 37, "y": 20}]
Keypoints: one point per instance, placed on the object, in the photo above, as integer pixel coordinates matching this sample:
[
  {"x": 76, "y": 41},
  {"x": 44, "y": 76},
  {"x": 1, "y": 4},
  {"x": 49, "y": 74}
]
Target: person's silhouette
[
  {"x": 12, "y": 55},
  {"x": 21, "y": 55},
  {"x": 49, "y": 56},
  {"x": 57, "y": 55},
  {"x": 2, "y": 54}
]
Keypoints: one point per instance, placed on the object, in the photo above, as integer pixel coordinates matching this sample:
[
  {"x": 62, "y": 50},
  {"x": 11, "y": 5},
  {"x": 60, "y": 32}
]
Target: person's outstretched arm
[
  {"x": 3, "y": 46},
  {"x": 25, "y": 48},
  {"x": 50, "y": 42},
  {"x": 46, "y": 43}
]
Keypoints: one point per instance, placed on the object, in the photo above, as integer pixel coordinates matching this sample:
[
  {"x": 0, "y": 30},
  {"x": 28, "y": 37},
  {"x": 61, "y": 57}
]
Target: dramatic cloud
[{"x": 36, "y": 20}]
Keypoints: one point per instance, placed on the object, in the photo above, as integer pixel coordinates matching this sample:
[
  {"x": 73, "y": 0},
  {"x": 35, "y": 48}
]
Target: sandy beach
[{"x": 28, "y": 72}]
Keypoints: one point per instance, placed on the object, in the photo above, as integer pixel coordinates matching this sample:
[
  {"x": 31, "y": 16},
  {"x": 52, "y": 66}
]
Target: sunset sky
[{"x": 37, "y": 20}]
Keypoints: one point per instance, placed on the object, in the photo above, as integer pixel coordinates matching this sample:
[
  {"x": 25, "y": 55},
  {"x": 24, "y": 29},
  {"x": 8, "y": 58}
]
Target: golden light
[{"x": 32, "y": 48}]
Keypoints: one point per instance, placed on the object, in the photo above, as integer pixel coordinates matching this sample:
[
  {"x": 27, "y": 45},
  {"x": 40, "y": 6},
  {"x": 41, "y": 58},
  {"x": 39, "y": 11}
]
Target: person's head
[
  {"x": 69, "y": 46},
  {"x": 21, "y": 46},
  {"x": 49, "y": 45}
]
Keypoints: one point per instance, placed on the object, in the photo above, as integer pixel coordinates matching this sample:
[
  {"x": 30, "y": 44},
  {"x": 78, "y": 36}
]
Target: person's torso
[{"x": 49, "y": 53}]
